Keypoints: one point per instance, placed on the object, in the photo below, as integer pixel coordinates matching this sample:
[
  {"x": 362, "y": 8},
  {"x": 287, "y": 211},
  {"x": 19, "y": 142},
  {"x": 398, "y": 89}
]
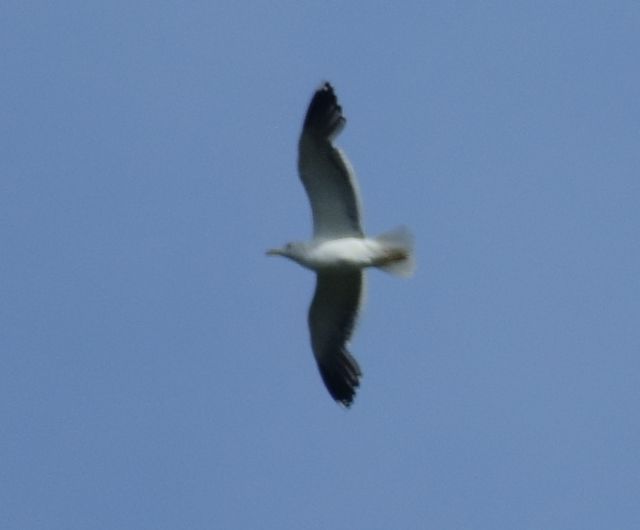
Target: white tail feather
[{"x": 398, "y": 245}]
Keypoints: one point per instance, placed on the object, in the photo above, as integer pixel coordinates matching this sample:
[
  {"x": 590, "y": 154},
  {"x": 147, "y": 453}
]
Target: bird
[{"x": 339, "y": 251}]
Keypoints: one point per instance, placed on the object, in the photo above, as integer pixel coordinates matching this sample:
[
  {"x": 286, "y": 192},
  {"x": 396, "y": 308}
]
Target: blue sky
[{"x": 156, "y": 368}]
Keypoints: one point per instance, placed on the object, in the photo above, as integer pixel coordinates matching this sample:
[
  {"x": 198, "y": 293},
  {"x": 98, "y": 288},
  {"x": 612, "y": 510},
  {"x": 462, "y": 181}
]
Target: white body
[
  {"x": 342, "y": 254},
  {"x": 392, "y": 252}
]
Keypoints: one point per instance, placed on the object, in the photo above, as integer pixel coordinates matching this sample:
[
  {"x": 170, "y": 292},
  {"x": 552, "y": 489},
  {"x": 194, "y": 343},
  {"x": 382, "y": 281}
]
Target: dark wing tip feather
[
  {"x": 324, "y": 117},
  {"x": 341, "y": 376}
]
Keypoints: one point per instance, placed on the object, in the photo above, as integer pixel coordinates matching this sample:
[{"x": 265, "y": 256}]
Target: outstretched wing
[
  {"x": 325, "y": 172},
  {"x": 332, "y": 316}
]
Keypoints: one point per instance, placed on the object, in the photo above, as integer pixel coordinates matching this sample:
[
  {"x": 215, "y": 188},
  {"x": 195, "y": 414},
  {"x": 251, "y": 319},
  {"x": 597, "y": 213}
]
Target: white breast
[{"x": 344, "y": 254}]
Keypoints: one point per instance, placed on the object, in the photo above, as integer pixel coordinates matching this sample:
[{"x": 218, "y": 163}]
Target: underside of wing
[
  {"x": 332, "y": 316},
  {"x": 325, "y": 172}
]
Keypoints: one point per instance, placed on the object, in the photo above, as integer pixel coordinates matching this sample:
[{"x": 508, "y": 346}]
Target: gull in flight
[{"x": 339, "y": 250}]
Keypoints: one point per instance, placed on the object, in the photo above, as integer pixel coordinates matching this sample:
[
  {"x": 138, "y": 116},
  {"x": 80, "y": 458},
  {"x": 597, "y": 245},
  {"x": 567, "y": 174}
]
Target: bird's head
[{"x": 290, "y": 250}]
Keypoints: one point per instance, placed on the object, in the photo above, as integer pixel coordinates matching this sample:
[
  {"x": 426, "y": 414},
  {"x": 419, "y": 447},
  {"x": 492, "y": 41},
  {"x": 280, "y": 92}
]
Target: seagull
[{"x": 339, "y": 251}]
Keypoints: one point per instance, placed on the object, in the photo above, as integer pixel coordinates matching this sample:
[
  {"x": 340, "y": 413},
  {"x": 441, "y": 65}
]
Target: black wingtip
[
  {"x": 324, "y": 116},
  {"x": 341, "y": 377}
]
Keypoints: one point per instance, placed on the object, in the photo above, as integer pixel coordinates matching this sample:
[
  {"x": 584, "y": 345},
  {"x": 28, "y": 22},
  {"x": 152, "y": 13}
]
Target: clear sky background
[{"x": 155, "y": 368}]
